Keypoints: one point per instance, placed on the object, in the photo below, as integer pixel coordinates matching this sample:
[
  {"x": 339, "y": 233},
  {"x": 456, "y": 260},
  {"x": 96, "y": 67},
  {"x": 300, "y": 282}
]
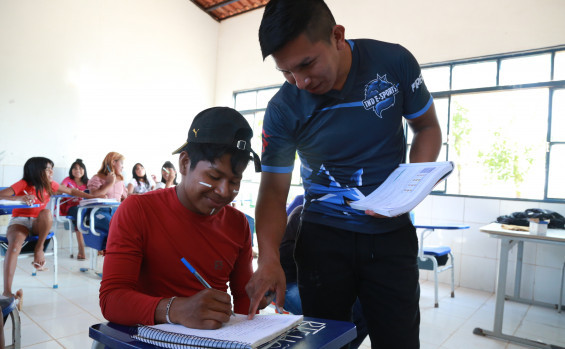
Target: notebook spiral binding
[{"x": 182, "y": 341}]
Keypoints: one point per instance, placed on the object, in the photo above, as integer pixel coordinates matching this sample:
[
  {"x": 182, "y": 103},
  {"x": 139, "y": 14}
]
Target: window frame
[{"x": 552, "y": 86}]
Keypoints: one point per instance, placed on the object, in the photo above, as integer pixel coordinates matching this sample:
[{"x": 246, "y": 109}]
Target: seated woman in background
[
  {"x": 77, "y": 179},
  {"x": 168, "y": 176},
  {"x": 139, "y": 184},
  {"x": 36, "y": 187},
  {"x": 108, "y": 182}
]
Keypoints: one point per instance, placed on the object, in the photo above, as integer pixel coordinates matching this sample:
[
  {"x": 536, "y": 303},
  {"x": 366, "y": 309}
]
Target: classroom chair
[
  {"x": 298, "y": 200},
  {"x": 28, "y": 248},
  {"x": 92, "y": 238},
  {"x": 432, "y": 258},
  {"x": 66, "y": 220},
  {"x": 9, "y": 309}
]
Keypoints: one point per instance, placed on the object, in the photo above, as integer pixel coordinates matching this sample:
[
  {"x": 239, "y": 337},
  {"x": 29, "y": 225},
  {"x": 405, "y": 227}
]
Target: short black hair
[
  {"x": 285, "y": 20},
  {"x": 211, "y": 152}
]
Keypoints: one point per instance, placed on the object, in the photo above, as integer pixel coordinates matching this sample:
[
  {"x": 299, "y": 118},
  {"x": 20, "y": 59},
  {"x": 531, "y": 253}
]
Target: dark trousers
[{"x": 336, "y": 266}]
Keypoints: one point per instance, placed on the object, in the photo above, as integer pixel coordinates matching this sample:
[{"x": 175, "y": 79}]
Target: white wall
[
  {"x": 433, "y": 31},
  {"x": 81, "y": 78},
  {"x": 476, "y": 254}
]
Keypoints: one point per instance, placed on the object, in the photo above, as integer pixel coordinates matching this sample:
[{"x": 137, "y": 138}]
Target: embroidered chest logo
[
  {"x": 380, "y": 95},
  {"x": 218, "y": 265}
]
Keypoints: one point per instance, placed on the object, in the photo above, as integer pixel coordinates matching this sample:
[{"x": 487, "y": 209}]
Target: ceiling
[{"x": 223, "y": 9}]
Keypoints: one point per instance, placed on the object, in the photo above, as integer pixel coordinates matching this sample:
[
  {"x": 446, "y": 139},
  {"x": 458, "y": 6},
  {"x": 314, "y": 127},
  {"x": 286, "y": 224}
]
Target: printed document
[{"x": 405, "y": 188}]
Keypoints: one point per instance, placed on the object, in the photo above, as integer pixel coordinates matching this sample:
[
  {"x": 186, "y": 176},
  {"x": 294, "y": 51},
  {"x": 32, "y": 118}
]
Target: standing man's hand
[
  {"x": 270, "y": 219},
  {"x": 269, "y": 280}
]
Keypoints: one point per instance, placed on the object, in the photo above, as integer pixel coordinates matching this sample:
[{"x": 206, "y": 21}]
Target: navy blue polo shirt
[{"x": 348, "y": 141}]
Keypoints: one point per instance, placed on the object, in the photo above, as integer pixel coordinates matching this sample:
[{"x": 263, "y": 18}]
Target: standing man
[{"x": 342, "y": 109}]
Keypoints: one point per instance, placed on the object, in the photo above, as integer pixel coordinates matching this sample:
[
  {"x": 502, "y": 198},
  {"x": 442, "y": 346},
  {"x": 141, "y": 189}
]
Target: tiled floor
[{"x": 59, "y": 318}]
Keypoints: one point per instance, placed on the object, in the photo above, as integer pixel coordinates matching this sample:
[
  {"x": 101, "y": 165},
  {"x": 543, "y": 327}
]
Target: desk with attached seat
[
  {"x": 433, "y": 257},
  {"x": 7, "y": 209},
  {"x": 311, "y": 333},
  {"x": 92, "y": 237}
]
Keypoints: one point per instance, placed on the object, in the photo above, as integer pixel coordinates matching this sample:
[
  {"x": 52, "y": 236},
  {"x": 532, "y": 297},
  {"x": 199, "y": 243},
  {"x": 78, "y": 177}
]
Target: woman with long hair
[
  {"x": 139, "y": 184},
  {"x": 108, "y": 183},
  {"x": 168, "y": 176},
  {"x": 78, "y": 178},
  {"x": 36, "y": 187}
]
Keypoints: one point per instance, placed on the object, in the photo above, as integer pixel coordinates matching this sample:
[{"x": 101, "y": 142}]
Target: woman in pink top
[
  {"x": 109, "y": 182},
  {"x": 77, "y": 179}
]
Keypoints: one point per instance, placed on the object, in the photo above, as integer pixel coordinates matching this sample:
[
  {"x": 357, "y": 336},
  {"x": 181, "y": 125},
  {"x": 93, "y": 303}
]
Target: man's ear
[
  {"x": 184, "y": 163},
  {"x": 338, "y": 34}
]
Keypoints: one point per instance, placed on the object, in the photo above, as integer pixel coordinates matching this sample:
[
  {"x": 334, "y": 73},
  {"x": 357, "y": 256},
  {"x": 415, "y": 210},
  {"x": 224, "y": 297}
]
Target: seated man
[
  {"x": 144, "y": 280},
  {"x": 292, "y": 301}
]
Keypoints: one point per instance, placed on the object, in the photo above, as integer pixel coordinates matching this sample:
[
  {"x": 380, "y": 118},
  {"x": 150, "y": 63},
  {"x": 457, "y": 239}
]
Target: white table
[{"x": 508, "y": 239}]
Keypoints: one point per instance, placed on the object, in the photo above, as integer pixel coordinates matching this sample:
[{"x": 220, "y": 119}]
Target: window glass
[
  {"x": 559, "y": 66},
  {"x": 556, "y": 189},
  {"x": 558, "y": 117},
  {"x": 473, "y": 75},
  {"x": 441, "y": 112},
  {"x": 497, "y": 138},
  {"x": 527, "y": 69},
  {"x": 264, "y": 96},
  {"x": 436, "y": 79},
  {"x": 441, "y": 157},
  {"x": 497, "y": 141},
  {"x": 246, "y": 100}
]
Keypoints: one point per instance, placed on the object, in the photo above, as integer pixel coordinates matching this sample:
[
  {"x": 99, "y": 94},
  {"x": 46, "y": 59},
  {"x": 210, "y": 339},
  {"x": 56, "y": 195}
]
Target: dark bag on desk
[{"x": 556, "y": 221}]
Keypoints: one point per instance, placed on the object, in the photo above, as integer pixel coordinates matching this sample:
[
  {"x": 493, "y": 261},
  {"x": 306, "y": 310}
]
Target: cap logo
[{"x": 195, "y": 132}]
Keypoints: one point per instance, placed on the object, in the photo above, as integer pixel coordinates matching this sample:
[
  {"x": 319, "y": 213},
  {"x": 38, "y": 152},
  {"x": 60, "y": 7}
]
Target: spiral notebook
[{"x": 237, "y": 333}]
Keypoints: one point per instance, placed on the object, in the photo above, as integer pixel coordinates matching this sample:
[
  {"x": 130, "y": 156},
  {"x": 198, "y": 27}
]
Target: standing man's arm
[
  {"x": 426, "y": 143},
  {"x": 270, "y": 218}
]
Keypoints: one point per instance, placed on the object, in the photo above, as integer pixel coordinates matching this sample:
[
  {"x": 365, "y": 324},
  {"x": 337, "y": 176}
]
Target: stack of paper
[
  {"x": 405, "y": 188},
  {"x": 11, "y": 202},
  {"x": 88, "y": 202}
]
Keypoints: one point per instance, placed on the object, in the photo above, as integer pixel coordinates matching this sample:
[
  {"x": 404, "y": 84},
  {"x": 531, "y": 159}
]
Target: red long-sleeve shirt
[{"x": 149, "y": 234}]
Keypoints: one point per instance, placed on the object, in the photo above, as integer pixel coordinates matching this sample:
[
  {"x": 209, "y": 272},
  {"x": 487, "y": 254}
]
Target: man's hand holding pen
[{"x": 208, "y": 309}]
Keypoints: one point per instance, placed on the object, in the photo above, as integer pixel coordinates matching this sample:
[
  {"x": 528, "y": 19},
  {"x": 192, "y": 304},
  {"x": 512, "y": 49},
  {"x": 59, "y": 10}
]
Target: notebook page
[
  {"x": 254, "y": 332},
  {"x": 406, "y": 186}
]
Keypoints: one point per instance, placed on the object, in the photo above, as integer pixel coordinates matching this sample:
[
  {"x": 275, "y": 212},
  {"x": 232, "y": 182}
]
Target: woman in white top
[
  {"x": 168, "y": 176},
  {"x": 140, "y": 183}
]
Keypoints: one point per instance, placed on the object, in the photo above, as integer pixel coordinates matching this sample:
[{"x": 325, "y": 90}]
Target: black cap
[{"x": 222, "y": 125}]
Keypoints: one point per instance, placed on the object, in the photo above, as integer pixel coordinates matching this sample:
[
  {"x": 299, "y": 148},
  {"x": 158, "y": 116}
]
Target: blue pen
[{"x": 200, "y": 278}]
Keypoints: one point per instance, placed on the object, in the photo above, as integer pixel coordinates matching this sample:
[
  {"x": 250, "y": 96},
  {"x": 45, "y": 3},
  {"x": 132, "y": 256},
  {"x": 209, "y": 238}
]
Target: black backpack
[{"x": 556, "y": 221}]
